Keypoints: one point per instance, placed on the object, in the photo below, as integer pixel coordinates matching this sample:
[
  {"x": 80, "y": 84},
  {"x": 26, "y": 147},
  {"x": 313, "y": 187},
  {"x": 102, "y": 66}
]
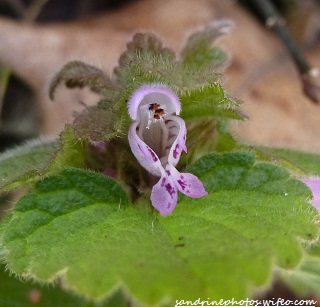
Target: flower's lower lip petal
[
  {"x": 164, "y": 195},
  {"x": 187, "y": 183},
  {"x": 144, "y": 154},
  {"x": 191, "y": 186}
]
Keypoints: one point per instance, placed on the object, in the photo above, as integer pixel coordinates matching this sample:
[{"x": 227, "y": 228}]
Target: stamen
[
  {"x": 153, "y": 106},
  {"x": 156, "y": 112}
]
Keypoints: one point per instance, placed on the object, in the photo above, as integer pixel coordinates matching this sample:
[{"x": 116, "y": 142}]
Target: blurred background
[{"x": 39, "y": 36}]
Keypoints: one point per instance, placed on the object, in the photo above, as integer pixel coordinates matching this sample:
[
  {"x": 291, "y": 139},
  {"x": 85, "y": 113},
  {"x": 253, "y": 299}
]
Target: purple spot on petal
[
  {"x": 168, "y": 172},
  {"x": 175, "y": 151},
  {"x": 153, "y": 155},
  {"x": 163, "y": 181},
  {"x": 182, "y": 184},
  {"x": 170, "y": 189},
  {"x": 169, "y": 205}
]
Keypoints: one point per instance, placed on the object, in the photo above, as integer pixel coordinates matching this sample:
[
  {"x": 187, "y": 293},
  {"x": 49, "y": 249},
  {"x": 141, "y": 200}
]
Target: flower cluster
[{"x": 157, "y": 138}]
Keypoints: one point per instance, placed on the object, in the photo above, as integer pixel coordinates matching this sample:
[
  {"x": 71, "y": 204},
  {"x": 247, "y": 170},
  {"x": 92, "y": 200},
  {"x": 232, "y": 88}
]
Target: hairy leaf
[
  {"x": 207, "y": 136},
  {"x": 96, "y": 125},
  {"x": 14, "y": 292},
  {"x": 72, "y": 152},
  {"x": 305, "y": 279},
  {"x": 207, "y": 102},
  {"x": 300, "y": 162},
  {"x": 199, "y": 51},
  {"x": 79, "y": 74},
  {"x": 79, "y": 226},
  {"x": 142, "y": 44},
  {"x": 150, "y": 68},
  {"x": 147, "y": 61},
  {"x": 22, "y": 163},
  {"x": 28, "y": 163}
]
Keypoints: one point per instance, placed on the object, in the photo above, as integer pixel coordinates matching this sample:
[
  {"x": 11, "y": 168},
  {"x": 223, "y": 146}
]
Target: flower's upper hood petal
[{"x": 153, "y": 93}]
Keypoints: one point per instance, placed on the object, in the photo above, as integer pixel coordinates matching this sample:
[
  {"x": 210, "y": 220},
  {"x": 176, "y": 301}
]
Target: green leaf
[
  {"x": 141, "y": 44},
  {"x": 224, "y": 140},
  {"x": 207, "y": 136},
  {"x": 96, "y": 124},
  {"x": 300, "y": 162},
  {"x": 204, "y": 138},
  {"x": 28, "y": 163},
  {"x": 14, "y": 292},
  {"x": 199, "y": 51},
  {"x": 22, "y": 163},
  {"x": 207, "y": 102},
  {"x": 305, "y": 278},
  {"x": 258, "y": 195},
  {"x": 72, "y": 152},
  {"x": 147, "y": 61},
  {"x": 79, "y": 226},
  {"x": 79, "y": 74},
  {"x": 150, "y": 68}
]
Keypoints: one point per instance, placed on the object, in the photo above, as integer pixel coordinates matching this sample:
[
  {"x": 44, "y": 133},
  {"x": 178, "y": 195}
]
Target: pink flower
[
  {"x": 157, "y": 138},
  {"x": 313, "y": 184}
]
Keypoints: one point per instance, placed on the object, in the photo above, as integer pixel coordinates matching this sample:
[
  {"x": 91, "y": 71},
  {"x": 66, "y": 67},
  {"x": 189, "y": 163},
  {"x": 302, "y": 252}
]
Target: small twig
[
  {"x": 307, "y": 73},
  {"x": 4, "y": 78},
  {"x": 17, "y": 6},
  {"x": 27, "y": 15},
  {"x": 34, "y": 9}
]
